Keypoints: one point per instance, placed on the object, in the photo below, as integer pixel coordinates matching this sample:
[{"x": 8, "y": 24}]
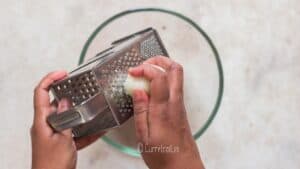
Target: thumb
[
  {"x": 64, "y": 105},
  {"x": 141, "y": 110}
]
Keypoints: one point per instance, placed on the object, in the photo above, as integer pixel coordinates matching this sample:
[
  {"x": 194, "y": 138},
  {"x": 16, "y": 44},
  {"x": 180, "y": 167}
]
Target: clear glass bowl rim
[{"x": 129, "y": 150}]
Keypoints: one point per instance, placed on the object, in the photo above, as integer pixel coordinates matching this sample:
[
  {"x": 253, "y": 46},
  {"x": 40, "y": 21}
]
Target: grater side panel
[
  {"x": 102, "y": 121},
  {"x": 77, "y": 88}
]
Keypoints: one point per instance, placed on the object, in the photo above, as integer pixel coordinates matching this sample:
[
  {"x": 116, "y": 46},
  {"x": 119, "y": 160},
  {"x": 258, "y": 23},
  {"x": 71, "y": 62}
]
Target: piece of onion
[
  {"x": 136, "y": 83},
  {"x": 139, "y": 83}
]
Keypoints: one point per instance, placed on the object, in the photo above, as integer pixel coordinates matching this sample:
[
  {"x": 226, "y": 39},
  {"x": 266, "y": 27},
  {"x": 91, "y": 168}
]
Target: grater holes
[
  {"x": 78, "y": 88},
  {"x": 151, "y": 47}
]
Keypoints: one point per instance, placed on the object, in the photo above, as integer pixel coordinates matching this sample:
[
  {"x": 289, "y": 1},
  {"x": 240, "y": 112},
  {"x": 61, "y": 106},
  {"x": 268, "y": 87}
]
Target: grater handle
[{"x": 64, "y": 120}]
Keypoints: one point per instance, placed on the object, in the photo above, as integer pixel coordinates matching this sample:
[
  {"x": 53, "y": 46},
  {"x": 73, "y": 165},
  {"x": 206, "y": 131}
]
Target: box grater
[{"x": 96, "y": 90}]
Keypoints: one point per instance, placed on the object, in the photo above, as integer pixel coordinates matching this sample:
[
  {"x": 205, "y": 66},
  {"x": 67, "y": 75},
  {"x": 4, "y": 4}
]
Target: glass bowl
[{"x": 188, "y": 45}]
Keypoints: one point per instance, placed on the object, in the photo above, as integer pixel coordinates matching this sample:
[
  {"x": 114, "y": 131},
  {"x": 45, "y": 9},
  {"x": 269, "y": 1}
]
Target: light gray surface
[{"x": 258, "y": 123}]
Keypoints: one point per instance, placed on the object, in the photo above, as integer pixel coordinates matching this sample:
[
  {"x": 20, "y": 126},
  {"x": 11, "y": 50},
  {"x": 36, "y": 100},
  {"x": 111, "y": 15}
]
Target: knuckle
[
  {"x": 136, "y": 100},
  {"x": 139, "y": 109},
  {"x": 162, "y": 76}
]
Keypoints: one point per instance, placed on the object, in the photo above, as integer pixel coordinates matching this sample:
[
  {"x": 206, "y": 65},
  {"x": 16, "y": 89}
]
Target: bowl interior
[{"x": 186, "y": 46}]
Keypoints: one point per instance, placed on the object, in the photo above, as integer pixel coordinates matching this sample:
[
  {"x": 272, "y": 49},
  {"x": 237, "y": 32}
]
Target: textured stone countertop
[{"x": 258, "y": 123}]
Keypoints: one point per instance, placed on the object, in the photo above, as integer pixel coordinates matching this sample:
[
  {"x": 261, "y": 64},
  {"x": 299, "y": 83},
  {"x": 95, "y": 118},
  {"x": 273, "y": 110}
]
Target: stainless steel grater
[{"x": 96, "y": 90}]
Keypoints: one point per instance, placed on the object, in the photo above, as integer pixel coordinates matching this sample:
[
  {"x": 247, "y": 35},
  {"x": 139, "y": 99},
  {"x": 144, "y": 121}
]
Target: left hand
[{"x": 53, "y": 150}]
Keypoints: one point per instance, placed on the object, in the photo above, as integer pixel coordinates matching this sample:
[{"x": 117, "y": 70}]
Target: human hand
[
  {"x": 161, "y": 124},
  {"x": 53, "y": 150}
]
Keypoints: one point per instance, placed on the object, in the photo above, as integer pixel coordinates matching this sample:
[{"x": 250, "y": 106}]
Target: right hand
[{"x": 161, "y": 123}]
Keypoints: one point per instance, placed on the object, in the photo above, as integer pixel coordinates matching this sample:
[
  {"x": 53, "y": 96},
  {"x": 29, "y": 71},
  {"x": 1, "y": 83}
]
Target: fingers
[
  {"x": 64, "y": 105},
  {"x": 141, "y": 109},
  {"x": 146, "y": 70},
  {"x": 157, "y": 67},
  {"x": 158, "y": 81},
  {"x": 161, "y": 61},
  {"x": 166, "y": 89},
  {"x": 87, "y": 140},
  {"x": 41, "y": 95},
  {"x": 176, "y": 82},
  {"x": 175, "y": 75}
]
